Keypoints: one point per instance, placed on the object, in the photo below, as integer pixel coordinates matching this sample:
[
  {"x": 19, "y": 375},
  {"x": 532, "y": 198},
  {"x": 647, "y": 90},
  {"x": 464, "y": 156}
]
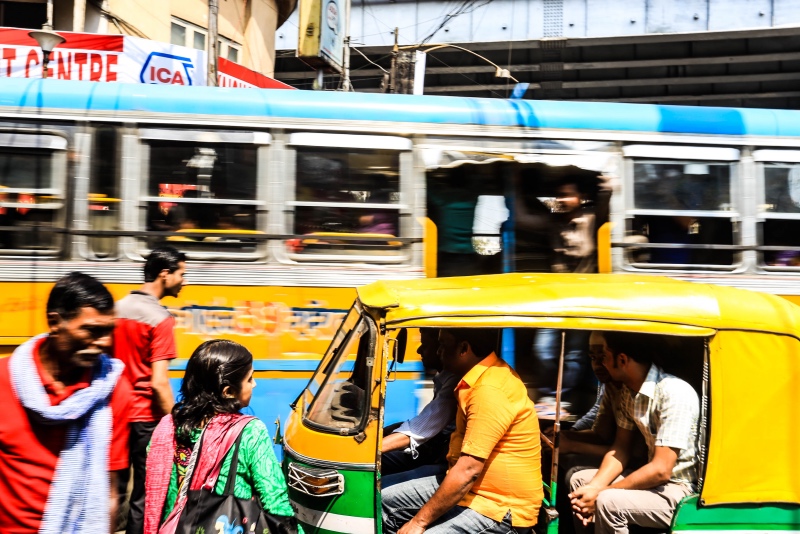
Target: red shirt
[
  {"x": 29, "y": 450},
  {"x": 143, "y": 335}
]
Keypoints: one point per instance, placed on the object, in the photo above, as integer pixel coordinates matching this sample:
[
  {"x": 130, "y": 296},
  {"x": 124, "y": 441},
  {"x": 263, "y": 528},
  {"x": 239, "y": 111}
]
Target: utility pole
[
  {"x": 346, "y": 59},
  {"x": 48, "y": 25},
  {"x": 393, "y": 70},
  {"x": 213, "y": 38},
  {"x": 79, "y": 15}
]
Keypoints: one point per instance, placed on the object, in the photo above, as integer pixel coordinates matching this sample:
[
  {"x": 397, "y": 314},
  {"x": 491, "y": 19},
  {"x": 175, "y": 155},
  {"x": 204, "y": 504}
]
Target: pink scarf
[{"x": 218, "y": 438}]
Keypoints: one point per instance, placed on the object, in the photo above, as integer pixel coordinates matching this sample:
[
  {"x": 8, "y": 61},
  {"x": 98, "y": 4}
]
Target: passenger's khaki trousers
[{"x": 616, "y": 509}]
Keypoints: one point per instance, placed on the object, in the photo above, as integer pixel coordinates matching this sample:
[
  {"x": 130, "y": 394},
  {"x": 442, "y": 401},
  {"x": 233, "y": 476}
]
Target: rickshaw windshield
[{"x": 337, "y": 397}]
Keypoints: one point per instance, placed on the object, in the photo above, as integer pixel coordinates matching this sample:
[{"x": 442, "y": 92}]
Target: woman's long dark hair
[{"x": 213, "y": 365}]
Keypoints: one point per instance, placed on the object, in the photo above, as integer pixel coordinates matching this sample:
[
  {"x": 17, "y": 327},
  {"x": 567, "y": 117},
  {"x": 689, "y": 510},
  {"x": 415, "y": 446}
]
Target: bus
[{"x": 285, "y": 201}]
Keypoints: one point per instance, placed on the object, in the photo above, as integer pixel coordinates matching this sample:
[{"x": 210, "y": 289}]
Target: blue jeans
[
  {"x": 547, "y": 348},
  {"x": 402, "y": 501},
  {"x": 430, "y": 470}
]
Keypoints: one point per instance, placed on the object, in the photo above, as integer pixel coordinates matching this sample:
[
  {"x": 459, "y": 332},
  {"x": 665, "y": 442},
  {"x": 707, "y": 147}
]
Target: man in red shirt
[
  {"x": 144, "y": 341},
  {"x": 64, "y": 428}
]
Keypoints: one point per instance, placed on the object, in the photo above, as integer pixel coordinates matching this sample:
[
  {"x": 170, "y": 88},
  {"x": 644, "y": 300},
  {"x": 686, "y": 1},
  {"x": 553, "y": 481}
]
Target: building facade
[
  {"x": 706, "y": 52},
  {"x": 246, "y": 27}
]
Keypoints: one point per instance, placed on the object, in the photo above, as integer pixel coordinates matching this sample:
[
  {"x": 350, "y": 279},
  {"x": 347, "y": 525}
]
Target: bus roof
[
  {"x": 22, "y": 94},
  {"x": 594, "y": 301}
]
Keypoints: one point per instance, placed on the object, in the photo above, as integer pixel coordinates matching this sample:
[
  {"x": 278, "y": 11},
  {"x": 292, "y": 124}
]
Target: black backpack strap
[{"x": 231, "y": 482}]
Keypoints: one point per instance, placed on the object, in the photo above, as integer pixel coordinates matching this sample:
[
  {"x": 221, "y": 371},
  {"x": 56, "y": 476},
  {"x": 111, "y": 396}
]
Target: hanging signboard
[
  {"x": 321, "y": 35},
  {"x": 118, "y": 58}
]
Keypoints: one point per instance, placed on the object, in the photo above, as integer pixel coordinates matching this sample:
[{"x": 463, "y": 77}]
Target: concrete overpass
[{"x": 703, "y": 52}]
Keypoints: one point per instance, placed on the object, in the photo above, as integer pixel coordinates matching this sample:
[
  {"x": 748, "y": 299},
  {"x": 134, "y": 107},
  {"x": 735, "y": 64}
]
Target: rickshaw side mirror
[{"x": 401, "y": 344}]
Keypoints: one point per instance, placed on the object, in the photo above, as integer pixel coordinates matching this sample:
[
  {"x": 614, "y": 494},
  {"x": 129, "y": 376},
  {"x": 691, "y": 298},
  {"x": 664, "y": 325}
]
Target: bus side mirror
[{"x": 400, "y": 345}]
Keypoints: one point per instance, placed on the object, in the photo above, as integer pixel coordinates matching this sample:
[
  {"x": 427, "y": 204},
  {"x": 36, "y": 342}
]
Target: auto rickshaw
[{"x": 746, "y": 362}]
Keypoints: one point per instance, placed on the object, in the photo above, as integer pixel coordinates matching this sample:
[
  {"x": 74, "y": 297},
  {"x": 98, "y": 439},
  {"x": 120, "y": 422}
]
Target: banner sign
[
  {"x": 332, "y": 32},
  {"x": 119, "y": 58}
]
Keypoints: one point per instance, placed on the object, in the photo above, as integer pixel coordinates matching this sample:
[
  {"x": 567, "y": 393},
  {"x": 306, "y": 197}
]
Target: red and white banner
[{"x": 118, "y": 58}]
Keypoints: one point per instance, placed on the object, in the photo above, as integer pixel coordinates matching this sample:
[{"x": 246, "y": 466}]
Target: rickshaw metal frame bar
[
  {"x": 691, "y": 330},
  {"x": 702, "y": 431},
  {"x": 557, "y": 427},
  {"x": 325, "y": 463},
  {"x": 358, "y": 429}
]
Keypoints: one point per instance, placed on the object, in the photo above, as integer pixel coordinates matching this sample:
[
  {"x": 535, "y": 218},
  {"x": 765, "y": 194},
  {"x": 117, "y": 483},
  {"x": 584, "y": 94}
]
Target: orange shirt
[{"x": 497, "y": 421}]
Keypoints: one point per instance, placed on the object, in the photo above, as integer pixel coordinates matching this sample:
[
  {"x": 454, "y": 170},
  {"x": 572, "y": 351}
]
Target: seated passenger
[
  {"x": 422, "y": 441},
  {"x": 494, "y": 484},
  {"x": 665, "y": 409},
  {"x": 592, "y": 435},
  {"x": 587, "y": 441}
]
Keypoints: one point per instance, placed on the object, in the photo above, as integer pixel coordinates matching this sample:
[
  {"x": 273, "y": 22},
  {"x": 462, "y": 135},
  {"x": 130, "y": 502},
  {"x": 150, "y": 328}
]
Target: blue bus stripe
[{"x": 210, "y": 101}]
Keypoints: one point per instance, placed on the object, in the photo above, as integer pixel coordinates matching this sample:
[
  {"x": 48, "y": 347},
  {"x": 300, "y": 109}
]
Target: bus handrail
[{"x": 204, "y": 233}]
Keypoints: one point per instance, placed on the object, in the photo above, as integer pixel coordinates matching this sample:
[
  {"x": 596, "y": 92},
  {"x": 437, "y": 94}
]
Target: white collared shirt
[
  {"x": 666, "y": 410},
  {"x": 436, "y": 416}
]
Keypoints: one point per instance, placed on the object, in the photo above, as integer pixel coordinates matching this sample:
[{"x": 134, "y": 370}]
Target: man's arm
[
  {"x": 113, "y": 495},
  {"x": 433, "y": 418},
  {"x": 395, "y": 441},
  {"x": 655, "y": 473},
  {"x": 587, "y": 421},
  {"x": 583, "y": 499},
  {"x": 162, "y": 391},
  {"x": 456, "y": 484}
]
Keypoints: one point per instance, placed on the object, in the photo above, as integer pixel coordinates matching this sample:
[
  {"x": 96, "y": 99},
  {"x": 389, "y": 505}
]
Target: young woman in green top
[{"x": 219, "y": 380}]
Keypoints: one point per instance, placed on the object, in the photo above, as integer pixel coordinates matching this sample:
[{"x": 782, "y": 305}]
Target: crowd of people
[
  {"x": 629, "y": 461},
  {"x": 89, "y": 402}
]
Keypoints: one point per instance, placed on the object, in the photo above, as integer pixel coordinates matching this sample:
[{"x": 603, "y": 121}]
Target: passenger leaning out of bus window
[
  {"x": 418, "y": 447},
  {"x": 217, "y": 385},
  {"x": 494, "y": 484},
  {"x": 573, "y": 246},
  {"x": 452, "y": 200},
  {"x": 665, "y": 410},
  {"x": 64, "y": 424}
]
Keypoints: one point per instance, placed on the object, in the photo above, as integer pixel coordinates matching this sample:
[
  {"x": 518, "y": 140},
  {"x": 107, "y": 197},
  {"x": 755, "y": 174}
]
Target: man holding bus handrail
[
  {"x": 666, "y": 410},
  {"x": 494, "y": 485}
]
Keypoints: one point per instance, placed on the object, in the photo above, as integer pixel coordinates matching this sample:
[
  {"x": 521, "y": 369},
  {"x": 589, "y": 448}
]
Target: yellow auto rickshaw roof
[{"x": 583, "y": 301}]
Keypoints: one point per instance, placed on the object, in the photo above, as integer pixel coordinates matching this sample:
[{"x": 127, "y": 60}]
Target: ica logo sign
[{"x": 161, "y": 68}]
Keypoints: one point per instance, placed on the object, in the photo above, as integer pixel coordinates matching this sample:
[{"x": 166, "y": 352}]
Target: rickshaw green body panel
[
  {"x": 739, "y": 517},
  {"x": 353, "y": 511}
]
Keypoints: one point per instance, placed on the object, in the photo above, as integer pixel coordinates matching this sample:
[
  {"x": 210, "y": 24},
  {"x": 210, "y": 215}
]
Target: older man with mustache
[{"x": 64, "y": 428}]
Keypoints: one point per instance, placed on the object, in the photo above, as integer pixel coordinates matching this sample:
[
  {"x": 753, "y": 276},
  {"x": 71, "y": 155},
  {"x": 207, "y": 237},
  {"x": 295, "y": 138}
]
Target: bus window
[
  {"x": 779, "y": 212},
  {"x": 683, "y": 203},
  {"x": 32, "y": 170},
  {"x": 104, "y": 197},
  {"x": 207, "y": 193},
  {"x": 341, "y": 194}
]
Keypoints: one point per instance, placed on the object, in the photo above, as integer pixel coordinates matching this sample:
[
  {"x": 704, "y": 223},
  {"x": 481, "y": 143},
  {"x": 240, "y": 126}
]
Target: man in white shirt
[
  {"x": 422, "y": 442},
  {"x": 665, "y": 409}
]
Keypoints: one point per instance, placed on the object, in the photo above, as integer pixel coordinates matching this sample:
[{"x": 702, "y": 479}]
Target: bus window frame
[
  {"x": 56, "y": 143},
  {"x": 340, "y": 141},
  {"x": 140, "y": 199},
  {"x": 677, "y": 155},
  {"x": 85, "y": 148},
  {"x": 764, "y": 158}
]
